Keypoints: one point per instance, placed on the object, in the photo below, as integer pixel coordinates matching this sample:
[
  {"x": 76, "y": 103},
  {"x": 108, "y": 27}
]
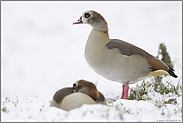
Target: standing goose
[
  {"x": 118, "y": 60},
  {"x": 82, "y": 92}
]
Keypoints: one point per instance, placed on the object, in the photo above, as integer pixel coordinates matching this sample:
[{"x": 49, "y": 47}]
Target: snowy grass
[
  {"x": 148, "y": 104},
  {"x": 141, "y": 92}
]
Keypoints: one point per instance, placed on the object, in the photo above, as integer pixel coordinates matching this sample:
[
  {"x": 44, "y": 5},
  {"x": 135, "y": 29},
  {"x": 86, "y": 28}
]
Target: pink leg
[
  {"x": 125, "y": 92},
  {"x": 122, "y": 97}
]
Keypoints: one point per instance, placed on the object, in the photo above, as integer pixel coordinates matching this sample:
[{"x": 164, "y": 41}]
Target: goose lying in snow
[{"x": 82, "y": 92}]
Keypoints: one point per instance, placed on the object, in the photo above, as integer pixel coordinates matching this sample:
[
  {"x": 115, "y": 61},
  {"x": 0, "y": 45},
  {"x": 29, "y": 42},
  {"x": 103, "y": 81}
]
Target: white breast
[
  {"x": 111, "y": 64},
  {"x": 76, "y": 100}
]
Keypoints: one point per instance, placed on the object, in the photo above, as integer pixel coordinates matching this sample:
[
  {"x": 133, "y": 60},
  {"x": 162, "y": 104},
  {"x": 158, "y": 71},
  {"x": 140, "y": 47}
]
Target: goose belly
[{"x": 117, "y": 67}]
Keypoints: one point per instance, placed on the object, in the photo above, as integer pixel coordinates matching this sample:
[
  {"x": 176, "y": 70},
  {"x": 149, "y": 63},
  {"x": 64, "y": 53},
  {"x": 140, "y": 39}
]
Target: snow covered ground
[{"x": 42, "y": 52}]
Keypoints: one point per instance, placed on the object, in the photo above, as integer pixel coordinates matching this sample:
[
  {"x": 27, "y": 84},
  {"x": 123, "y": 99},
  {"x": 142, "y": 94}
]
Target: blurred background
[{"x": 42, "y": 51}]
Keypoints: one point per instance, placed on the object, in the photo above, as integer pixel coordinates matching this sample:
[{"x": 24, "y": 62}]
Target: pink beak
[{"x": 79, "y": 21}]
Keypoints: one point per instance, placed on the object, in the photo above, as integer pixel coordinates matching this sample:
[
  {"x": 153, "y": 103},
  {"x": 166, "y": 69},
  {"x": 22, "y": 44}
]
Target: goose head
[{"x": 94, "y": 19}]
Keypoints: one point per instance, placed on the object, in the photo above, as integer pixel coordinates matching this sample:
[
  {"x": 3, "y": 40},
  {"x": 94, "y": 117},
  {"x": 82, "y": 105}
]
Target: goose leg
[{"x": 125, "y": 92}]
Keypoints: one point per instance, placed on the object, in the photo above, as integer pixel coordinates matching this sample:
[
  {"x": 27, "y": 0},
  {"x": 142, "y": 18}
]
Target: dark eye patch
[
  {"x": 87, "y": 15},
  {"x": 74, "y": 85}
]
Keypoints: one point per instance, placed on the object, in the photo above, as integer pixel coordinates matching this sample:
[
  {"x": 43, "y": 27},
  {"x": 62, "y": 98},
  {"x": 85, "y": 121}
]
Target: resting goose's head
[{"x": 86, "y": 88}]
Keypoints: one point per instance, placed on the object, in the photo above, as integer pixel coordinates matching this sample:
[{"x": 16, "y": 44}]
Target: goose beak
[{"x": 79, "y": 21}]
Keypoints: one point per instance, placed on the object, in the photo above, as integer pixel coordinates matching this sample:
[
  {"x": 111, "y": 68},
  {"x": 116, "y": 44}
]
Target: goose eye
[{"x": 87, "y": 15}]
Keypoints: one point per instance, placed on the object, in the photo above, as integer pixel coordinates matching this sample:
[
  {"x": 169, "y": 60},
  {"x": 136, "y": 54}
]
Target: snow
[
  {"x": 37, "y": 109},
  {"x": 43, "y": 52}
]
